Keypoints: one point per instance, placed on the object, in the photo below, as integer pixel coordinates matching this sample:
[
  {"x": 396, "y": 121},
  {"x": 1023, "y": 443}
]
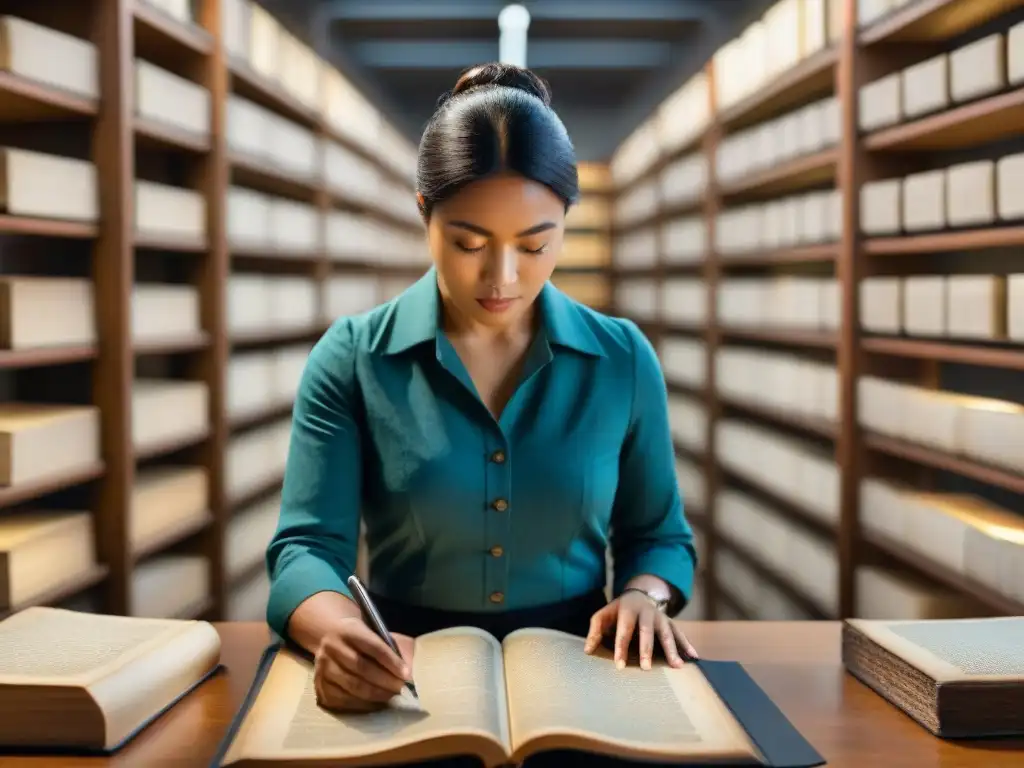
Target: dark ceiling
[{"x": 609, "y": 62}]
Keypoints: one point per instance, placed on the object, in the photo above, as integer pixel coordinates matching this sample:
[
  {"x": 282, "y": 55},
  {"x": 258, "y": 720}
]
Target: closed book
[
  {"x": 40, "y": 440},
  {"x": 46, "y": 312},
  {"x": 166, "y": 211},
  {"x": 957, "y": 678},
  {"x": 41, "y": 551},
  {"x": 171, "y": 99},
  {"x": 49, "y": 57},
  {"x": 89, "y": 682},
  {"x": 165, "y": 411},
  {"x": 50, "y": 186},
  {"x": 167, "y": 500}
]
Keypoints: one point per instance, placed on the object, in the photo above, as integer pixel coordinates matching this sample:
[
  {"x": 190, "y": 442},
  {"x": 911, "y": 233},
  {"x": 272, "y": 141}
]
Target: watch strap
[{"x": 659, "y": 603}]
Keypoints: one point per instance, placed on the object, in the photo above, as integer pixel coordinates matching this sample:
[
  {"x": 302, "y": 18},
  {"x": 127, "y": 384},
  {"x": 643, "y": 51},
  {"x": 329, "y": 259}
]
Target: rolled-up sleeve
[
  {"x": 650, "y": 533},
  {"x": 314, "y": 547}
]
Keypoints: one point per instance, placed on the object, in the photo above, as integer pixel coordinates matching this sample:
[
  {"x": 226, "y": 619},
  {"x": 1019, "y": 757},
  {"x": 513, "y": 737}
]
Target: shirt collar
[{"x": 414, "y": 319}]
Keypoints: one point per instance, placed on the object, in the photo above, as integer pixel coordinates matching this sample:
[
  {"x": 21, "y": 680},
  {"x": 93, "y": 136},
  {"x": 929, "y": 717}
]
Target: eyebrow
[{"x": 544, "y": 226}]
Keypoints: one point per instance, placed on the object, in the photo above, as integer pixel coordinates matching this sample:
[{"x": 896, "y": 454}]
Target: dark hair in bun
[{"x": 497, "y": 118}]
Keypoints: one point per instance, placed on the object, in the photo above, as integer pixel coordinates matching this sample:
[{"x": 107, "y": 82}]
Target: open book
[
  {"x": 537, "y": 691},
  {"x": 74, "y": 681},
  {"x": 958, "y": 678}
]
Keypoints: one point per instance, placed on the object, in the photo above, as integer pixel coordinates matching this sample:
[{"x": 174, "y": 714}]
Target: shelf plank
[
  {"x": 156, "y": 134},
  {"x": 930, "y": 457},
  {"x": 275, "y": 336},
  {"x": 934, "y": 21},
  {"x": 256, "y": 494},
  {"x": 250, "y": 85},
  {"x": 28, "y": 225},
  {"x": 42, "y": 357},
  {"x": 994, "y": 601},
  {"x": 943, "y": 242},
  {"x": 258, "y": 418},
  {"x": 170, "y": 446},
  {"x": 23, "y": 100},
  {"x": 791, "y": 511},
  {"x": 682, "y": 388},
  {"x": 967, "y": 354},
  {"x": 67, "y": 590},
  {"x": 255, "y": 173},
  {"x": 970, "y": 125},
  {"x": 822, "y": 253},
  {"x": 170, "y": 243},
  {"x": 172, "y": 536},
  {"x": 789, "y": 338},
  {"x": 768, "y": 573},
  {"x": 173, "y": 346},
  {"x": 814, "y": 76},
  {"x": 13, "y": 495},
  {"x": 808, "y": 424},
  {"x": 159, "y": 34},
  {"x": 792, "y": 176}
]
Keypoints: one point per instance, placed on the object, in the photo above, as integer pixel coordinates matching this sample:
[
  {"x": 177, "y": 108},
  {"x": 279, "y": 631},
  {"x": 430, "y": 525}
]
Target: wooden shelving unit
[
  {"x": 210, "y": 60},
  {"x": 770, "y": 319}
]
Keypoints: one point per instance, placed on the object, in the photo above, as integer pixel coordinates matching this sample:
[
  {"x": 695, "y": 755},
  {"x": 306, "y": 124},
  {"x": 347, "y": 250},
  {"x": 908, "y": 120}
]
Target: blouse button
[
  {"x": 497, "y": 597},
  {"x": 497, "y": 551},
  {"x": 498, "y": 457},
  {"x": 500, "y": 504}
]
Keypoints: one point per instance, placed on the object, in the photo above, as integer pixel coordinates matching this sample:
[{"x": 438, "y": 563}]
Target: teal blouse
[{"x": 461, "y": 511}]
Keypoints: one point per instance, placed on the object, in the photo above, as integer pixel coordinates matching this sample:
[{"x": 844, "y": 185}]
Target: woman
[{"x": 489, "y": 430}]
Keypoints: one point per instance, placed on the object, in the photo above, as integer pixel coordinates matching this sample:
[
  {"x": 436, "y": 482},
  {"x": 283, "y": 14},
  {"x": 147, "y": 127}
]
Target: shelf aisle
[
  {"x": 188, "y": 201},
  {"x": 834, "y": 285}
]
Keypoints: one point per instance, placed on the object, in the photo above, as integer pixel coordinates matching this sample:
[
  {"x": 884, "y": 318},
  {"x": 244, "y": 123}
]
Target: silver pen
[{"x": 372, "y": 617}]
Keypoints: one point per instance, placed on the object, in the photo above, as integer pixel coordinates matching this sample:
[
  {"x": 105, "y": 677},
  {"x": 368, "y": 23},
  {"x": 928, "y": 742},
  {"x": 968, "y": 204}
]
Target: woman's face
[{"x": 495, "y": 244}]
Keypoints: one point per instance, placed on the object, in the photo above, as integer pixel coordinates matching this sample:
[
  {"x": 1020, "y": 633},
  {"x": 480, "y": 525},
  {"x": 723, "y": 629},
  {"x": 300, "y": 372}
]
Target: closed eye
[
  {"x": 535, "y": 251},
  {"x": 467, "y": 249}
]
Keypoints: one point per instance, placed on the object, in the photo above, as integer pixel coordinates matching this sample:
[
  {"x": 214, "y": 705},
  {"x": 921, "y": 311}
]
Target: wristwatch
[{"x": 660, "y": 604}]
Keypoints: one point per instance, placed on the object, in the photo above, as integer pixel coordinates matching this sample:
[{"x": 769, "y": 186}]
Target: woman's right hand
[{"x": 355, "y": 671}]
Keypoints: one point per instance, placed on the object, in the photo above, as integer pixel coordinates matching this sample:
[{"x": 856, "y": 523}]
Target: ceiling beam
[
  {"x": 558, "y": 10},
  {"x": 540, "y": 54}
]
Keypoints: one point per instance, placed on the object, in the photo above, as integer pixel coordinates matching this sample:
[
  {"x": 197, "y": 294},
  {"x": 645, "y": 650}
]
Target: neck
[{"x": 458, "y": 325}]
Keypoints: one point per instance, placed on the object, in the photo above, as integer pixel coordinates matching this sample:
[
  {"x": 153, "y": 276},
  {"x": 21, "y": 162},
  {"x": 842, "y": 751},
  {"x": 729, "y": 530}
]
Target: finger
[
  {"x": 329, "y": 694},
  {"x": 599, "y": 624},
  {"x": 667, "y": 639},
  {"x": 684, "y": 645},
  {"x": 623, "y": 634},
  {"x": 333, "y": 697},
  {"x": 357, "y": 686},
  {"x": 646, "y": 637},
  {"x": 369, "y": 644},
  {"x": 348, "y": 659}
]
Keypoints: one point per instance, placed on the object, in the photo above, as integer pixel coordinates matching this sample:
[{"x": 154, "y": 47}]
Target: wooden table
[{"x": 797, "y": 664}]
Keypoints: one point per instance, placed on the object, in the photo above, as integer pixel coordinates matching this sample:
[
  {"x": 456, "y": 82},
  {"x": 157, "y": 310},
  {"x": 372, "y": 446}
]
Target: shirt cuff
[
  {"x": 296, "y": 582},
  {"x": 672, "y": 566}
]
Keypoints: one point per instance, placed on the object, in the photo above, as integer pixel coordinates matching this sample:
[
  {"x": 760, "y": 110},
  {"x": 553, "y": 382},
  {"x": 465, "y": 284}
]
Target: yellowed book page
[
  {"x": 53, "y": 646},
  {"x": 460, "y": 680},
  {"x": 561, "y": 698},
  {"x": 954, "y": 650}
]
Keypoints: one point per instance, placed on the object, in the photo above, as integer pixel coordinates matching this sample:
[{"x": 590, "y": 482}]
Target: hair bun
[{"x": 506, "y": 75}]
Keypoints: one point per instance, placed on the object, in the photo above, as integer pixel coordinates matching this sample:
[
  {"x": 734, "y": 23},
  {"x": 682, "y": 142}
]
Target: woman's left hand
[{"x": 632, "y": 612}]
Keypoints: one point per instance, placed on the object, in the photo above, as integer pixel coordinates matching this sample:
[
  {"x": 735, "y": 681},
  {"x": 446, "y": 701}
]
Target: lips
[{"x": 496, "y": 305}]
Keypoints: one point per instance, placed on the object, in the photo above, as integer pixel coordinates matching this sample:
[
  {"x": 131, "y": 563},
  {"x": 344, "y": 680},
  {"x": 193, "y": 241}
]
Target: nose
[{"x": 502, "y": 268}]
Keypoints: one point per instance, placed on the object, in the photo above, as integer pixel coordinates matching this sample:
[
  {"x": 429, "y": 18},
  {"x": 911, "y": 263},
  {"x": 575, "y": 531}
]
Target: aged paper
[
  {"x": 79, "y": 646},
  {"x": 555, "y": 689},
  {"x": 954, "y": 650},
  {"x": 458, "y": 675}
]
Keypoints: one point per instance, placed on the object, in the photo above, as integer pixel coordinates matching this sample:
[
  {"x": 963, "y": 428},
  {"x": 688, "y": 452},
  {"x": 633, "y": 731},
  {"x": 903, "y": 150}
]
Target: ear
[{"x": 419, "y": 200}]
